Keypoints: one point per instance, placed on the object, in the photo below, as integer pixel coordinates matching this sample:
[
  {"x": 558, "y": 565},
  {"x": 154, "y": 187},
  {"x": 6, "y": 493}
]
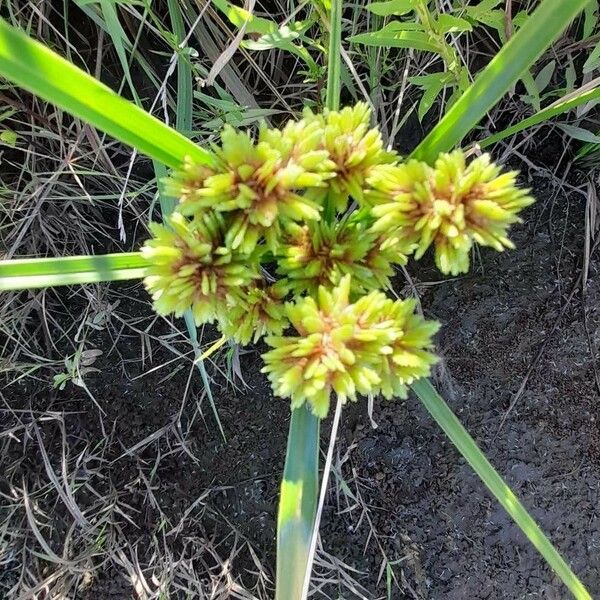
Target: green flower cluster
[
  {"x": 450, "y": 205},
  {"x": 375, "y": 345},
  {"x": 267, "y": 239}
]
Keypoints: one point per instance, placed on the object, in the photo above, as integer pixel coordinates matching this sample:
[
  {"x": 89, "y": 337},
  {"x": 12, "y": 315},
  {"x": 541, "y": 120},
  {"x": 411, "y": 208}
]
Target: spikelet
[
  {"x": 347, "y": 348},
  {"x": 191, "y": 269},
  {"x": 354, "y": 148},
  {"x": 450, "y": 206},
  {"x": 184, "y": 183},
  {"x": 320, "y": 254},
  {"x": 258, "y": 183},
  {"x": 259, "y": 312}
]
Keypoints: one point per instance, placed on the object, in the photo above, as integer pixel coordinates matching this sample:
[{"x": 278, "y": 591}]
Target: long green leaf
[
  {"x": 43, "y": 72},
  {"x": 297, "y": 503},
  {"x": 465, "y": 444},
  {"x": 556, "y": 108},
  {"x": 539, "y": 31},
  {"x": 30, "y": 273}
]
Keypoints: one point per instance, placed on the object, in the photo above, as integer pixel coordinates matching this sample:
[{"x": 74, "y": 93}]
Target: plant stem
[
  {"x": 466, "y": 445},
  {"x": 297, "y": 503},
  {"x": 324, "y": 485},
  {"x": 298, "y": 498},
  {"x": 334, "y": 57}
]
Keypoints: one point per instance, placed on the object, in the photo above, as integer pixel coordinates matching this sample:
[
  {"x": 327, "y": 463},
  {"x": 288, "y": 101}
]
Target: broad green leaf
[
  {"x": 482, "y": 9},
  {"x": 577, "y": 98},
  {"x": 43, "y": 72},
  {"x": 466, "y": 445},
  {"x": 533, "y": 95},
  {"x": 431, "y": 85},
  {"x": 579, "y": 133},
  {"x": 450, "y": 24},
  {"x": 543, "y": 78},
  {"x": 544, "y": 25},
  {"x": 424, "y": 81},
  {"x": 591, "y": 15},
  {"x": 593, "y": 60},
  {"x": 392, "y": 7},
  {"x": 8, "y": 137},
  {"x": 297, "y": 503},
  {"x": 430, "y": 93},
  {"x": 29, "y": 273},
  {"x": 238, "y": 17},
  {"x": 394, "y": 35}
]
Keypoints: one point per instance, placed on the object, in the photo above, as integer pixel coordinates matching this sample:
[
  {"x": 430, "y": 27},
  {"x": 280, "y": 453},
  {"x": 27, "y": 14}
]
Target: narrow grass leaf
[
  {"x": 30, "y": 273},
  {"x": 38, "y": 69},
  {"x": 542, "y": 27},
  {"x": 572, "y": 100},
  {"x": 466, "y": 445}
]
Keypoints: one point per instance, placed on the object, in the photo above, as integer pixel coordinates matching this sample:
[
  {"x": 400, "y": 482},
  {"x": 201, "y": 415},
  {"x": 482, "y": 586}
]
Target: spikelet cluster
[
  {"x": 257, "y": 183},
  {"x": 354, "y": 148},
  {"x": 375, "y": 345},
  {"x": 265, "y": 240},
  {"x": 259, "y": 312},
  {"x": 450, "y": 205},
  {"x": 321, "y": 253},
  {"x": 191, "y": 269}
]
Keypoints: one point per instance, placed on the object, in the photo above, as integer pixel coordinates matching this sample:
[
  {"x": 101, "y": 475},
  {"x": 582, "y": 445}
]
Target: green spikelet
[
  {"x": 260, "y": 312},
  {"x": 192, "y": 269},
  {"x": 450, "y": 206},
  {"x": 258, "y": 182},
  {"x": 185, "y": 182},
  {"x": 354, "y": 149},
  {"x": 320, "y": 254},
  {"x": 347, "y": 348}
]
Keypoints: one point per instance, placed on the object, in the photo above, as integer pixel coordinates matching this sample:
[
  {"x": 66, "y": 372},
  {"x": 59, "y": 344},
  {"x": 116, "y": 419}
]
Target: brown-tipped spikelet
[
  {"x": 191, "y": 268},
  {"x": 354, "y": 148},
  {"x": 258, "y": 183},
  {"x": 320, "y": 254},
  {"x": 259, "y": 312},
  {"x": 185, "y": 182},
  {"x": 450, "y": 206},
  {"x": 347, "y": 348}
]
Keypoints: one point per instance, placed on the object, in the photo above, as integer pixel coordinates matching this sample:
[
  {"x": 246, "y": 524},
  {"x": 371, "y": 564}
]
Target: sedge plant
[{"x": 292, "y": 235}]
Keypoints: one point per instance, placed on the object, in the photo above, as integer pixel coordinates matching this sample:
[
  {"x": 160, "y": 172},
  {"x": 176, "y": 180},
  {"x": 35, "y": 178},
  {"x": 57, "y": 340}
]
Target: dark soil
[{"x": 407, "y": 496}]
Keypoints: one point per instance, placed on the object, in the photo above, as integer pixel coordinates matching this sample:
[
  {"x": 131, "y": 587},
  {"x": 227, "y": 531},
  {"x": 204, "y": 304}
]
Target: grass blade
[
  {"x": 539, "y": 31},
  {"x": 43, "y": 72},
  {"x": 30, "y": 273},
  {"x": 297, "y": 503},
  {"x": 466, "y": 445},
  {"x": 570, "y": 101}
]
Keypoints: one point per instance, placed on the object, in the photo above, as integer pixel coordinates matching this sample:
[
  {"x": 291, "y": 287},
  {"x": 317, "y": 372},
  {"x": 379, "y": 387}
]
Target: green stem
[
  {"x": 334, "y": 57},
  {"x": 466, "y": 445},
  {"x": 297, "y": 503},
  {"x": 299, "y": 488}
]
